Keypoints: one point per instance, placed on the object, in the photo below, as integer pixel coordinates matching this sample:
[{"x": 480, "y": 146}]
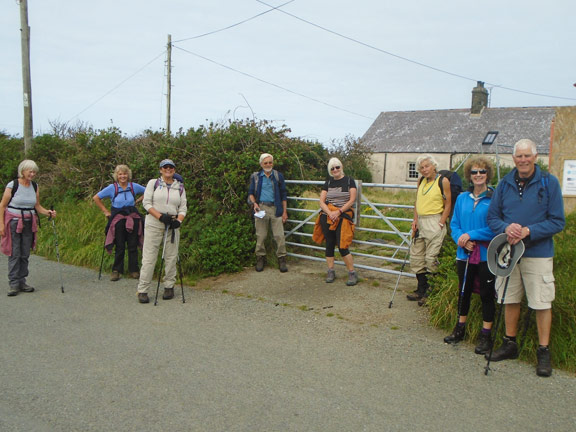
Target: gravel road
[{"x": 252, "y": 352}]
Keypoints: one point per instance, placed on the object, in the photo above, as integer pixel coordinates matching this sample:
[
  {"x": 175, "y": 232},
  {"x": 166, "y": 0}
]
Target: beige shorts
[{"x": 535, "y": 277}]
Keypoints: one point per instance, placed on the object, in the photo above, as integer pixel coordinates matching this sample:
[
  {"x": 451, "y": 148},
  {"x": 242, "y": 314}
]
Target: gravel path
[{"x": 252, "y": 352}]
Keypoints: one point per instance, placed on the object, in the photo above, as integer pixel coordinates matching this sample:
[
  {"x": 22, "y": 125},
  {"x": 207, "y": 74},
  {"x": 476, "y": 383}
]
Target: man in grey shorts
[{"x": 528, "y": 206}]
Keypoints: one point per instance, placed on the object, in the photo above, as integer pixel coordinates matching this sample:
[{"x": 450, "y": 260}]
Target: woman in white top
[
  {"x": 19, "y": 211},
  {"x": 165, "y": 202}
]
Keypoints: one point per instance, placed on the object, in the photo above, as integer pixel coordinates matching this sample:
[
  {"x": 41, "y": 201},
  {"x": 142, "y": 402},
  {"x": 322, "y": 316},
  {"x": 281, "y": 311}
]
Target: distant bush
[{"x": 215, "y": 160}]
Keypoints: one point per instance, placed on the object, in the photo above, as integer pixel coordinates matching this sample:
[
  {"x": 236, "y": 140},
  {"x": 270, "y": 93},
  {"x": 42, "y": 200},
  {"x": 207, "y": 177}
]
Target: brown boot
[
  {"x": 143, "y": 298},
  {"x": 282, "y": 264},
  {"x": 168, "y": 294},
  {"x": 260, "y": 262}
]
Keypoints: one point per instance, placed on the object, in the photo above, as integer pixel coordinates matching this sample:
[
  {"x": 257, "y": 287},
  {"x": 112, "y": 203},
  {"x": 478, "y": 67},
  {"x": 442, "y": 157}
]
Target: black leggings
[
  {"x": 332, "y": 237},
  {"x": 486, "y": 285}
]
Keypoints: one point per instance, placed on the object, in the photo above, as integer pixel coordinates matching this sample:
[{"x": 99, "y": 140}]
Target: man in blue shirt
[
  {"x": 528, "y": 206},
  {"x": 267, "y": 195}
]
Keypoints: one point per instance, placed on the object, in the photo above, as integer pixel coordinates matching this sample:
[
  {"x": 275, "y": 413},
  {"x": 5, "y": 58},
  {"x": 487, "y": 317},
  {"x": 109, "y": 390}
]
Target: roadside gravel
[{"x": 252, "y": 352}]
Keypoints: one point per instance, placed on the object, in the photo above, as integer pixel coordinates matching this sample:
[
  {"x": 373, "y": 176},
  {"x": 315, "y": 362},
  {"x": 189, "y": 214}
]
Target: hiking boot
[
  {"x": 260, "y": 262},
  {"x": 508, "y": 350},
  {"x": 26, "y": 288},
  {"x": 168, "y": 293},
  {"x": 457, "y": 335},
  {"x": 143, "y": 298},
  {"x": 135, "y": 275},
  {"x": 13, "y": 292},
  {"x": 415, "y": 296},
  {"x": 423, "y": 300},
  {"x": 115, "y": 276},
  {"x": 544, "y": 367},
  {"x": 330, "y": 276},
  {"x": 483, "y": 343},
  {"x": 352, "y": 278},
  {"x": 282, "y": 264}
]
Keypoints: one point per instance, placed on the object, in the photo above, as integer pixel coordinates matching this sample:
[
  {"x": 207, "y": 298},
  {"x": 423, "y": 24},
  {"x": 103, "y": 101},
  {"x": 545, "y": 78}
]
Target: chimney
[{"x": 479, "y": 98}]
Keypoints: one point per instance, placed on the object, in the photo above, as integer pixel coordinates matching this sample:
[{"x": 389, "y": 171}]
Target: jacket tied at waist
[{"x": 346, "y": 231}]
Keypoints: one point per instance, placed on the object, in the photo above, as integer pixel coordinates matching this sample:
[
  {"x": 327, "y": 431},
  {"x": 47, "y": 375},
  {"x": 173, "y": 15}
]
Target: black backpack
[{"x": 455, "y": 185}]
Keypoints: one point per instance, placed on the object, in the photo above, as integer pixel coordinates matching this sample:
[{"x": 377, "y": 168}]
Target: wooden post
[
  {"x": 169, "y": 83},
  {"x": 26, "y": 81}
]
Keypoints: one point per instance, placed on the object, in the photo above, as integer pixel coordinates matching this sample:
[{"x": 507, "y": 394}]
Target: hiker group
[{"x": 492, "y": 228}]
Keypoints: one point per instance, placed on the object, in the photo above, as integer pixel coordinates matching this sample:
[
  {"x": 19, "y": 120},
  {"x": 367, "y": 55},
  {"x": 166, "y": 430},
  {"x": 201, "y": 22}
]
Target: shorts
[{"x": 535, "y": 277}]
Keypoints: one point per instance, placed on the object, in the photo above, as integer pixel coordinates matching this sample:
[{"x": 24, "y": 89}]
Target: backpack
[
  {"x": 256, "y": 178},
  {"x": 17, "y": 184},
  {"x": 176, "y": 177},
  {"x": 455, "y": 185},
  {"x": 117, "y": 191}
]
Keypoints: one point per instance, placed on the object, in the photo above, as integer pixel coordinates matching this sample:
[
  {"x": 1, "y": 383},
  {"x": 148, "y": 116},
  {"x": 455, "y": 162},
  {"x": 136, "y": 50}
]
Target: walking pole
[
  {"x": 181, "y": 282},
  {"x": 398, "y": 280},
  {"x": 487, "y": 368},
  {"x": 161, "y": 265},
  {"x": 463, "y": 283},
  {"x": 502, "y": 258},
  {"x": 412, "y": 235},
  {"x": 102, "y": 260},
  {"x": 57, "y": 251}
]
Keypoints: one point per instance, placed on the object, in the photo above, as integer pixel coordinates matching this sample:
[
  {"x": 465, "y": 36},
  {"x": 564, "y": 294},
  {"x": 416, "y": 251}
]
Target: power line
[
  {"x": 410, "y": 60},
  {"x": 235, "y": 25},
  {"x": 273, "y": 85},
  {"x": 117, "y": 86}
]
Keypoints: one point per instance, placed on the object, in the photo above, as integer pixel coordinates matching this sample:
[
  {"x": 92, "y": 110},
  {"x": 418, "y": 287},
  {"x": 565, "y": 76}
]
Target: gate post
[{"x": 358, "y": 203}]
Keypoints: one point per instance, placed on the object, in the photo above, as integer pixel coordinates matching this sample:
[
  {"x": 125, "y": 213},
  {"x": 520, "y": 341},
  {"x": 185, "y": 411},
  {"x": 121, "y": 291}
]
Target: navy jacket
[
  {"x": 280, "y": 193},
  {"x": 541, "y": 209}
]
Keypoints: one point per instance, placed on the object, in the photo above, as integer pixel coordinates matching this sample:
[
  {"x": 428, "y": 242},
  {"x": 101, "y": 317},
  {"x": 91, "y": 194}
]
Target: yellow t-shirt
[{"x": 429, "y": 200}]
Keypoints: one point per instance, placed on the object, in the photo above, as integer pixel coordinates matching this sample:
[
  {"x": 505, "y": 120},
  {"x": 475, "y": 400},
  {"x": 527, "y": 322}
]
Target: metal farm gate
[{"x": 395, "y": 252}]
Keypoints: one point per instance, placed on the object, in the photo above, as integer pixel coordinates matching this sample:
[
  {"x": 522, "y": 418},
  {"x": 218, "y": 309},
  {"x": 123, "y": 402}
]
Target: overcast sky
[{"x": 326, "y": 70}]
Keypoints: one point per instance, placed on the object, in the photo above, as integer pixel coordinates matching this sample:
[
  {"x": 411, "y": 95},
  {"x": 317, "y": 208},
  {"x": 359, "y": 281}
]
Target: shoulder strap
[
  {"x": 115, "y": 191},
  {"x": 157, "y": 182},
  {"x": 440, "y": 185},
  {"x": 16, "y": 184}
]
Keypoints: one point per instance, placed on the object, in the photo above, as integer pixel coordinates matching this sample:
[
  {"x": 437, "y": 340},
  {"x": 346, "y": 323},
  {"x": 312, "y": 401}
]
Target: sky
[{"x": 324, "y": 68}]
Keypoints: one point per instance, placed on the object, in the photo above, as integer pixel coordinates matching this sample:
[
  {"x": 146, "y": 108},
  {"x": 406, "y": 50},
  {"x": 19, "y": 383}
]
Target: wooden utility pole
[
  {"x": 26, "y": 81},
  {"x": 169, "y": 84}
]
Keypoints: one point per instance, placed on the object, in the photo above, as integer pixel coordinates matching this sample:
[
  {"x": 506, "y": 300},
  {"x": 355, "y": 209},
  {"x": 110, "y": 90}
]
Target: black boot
[
  {"x": 421, "y": 289},
  {"x": 457, "y": 334},
  {"x": 544, "y": 367},
  {"x": 508, "y": 350},
  {"x": 483, "y": 343}
]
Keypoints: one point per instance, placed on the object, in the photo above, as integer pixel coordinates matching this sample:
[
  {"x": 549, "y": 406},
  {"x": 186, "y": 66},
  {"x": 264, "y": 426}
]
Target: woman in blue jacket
[{"x": 471, "y": 233}]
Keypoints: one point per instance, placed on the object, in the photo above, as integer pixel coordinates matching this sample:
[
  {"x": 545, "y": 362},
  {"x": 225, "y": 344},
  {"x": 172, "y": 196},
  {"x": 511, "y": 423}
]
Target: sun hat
[
  {"x": 167, "y": 162},
  {"x": 502, "y": 256}
]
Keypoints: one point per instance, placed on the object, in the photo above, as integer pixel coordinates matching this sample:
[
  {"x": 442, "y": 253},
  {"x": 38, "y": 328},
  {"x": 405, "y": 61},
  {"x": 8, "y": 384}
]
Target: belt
[{"x": 268, "y": 203}]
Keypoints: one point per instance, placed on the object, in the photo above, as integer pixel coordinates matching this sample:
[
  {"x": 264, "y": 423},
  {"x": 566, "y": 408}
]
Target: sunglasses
[
  {"x": 334, "y": 168},
  {"x": 482, "y": 171},
  {"x": 168, "y": 167}
]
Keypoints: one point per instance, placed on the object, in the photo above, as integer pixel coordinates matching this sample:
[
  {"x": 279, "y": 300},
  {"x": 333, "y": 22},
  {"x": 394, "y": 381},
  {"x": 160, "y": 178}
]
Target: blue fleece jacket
[
  {"x": 540, "y": 208},
  {"x": 471, "y": 220},
  {"x": 280, "y": 193}
]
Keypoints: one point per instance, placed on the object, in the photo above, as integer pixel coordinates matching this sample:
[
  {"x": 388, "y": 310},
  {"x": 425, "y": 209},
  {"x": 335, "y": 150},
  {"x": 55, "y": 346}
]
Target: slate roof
[{"x": 456, "y": 130}]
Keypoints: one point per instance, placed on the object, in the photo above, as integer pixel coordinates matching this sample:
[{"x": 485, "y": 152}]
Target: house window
[{"x": 412, "y": 171}]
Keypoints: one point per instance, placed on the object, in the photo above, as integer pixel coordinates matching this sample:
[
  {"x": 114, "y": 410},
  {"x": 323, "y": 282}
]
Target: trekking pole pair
[
  {"x": 50, "y": 218},
  {"x": 162, "y": 266}
]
